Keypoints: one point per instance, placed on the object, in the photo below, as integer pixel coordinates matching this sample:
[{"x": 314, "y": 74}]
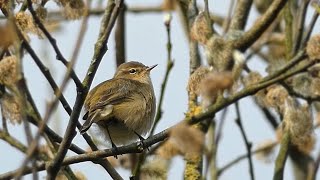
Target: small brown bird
[{"x": 123, "y": 107}]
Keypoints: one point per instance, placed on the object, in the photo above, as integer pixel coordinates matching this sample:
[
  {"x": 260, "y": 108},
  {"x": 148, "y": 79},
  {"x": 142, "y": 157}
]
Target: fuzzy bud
[
  {"x": 187, "y": 139},
  {"x": 11, "y": 108},
  {"x": 200, "y": 31},
  {"x": 298, "y": 122},
  {"x": 167, "y": 19},
  {"x": 214, "y": 83},
  {"x": 219, "y": 53},
  {"x": 74, "y": 9},
  {"x": 276, "y": 97},
  {"x": 313, "y": 47},
  {"x": 156, "y": 168},
  {"x": 8, "y": 71},
  {"x": 195, "y": 79},
  {"x": 266, "y": 151},
  {"x": 8, "y": 36}
]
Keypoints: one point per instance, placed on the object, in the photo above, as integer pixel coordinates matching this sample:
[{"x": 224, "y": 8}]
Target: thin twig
[
  {"x": 240, "y": 16},
  {"x": 220, "y": 126},
  {"x": 195, "y": 60},
  {"x": 12, "y": 141},
  {"x": 226, "y": 22},
  {"x": 300, "y": 25},
  {"x": 293, "y": 92},
  {"x": 169, "y": 66},
  {"x": 4, "y": 121},
  {"x": 241, "y": 157},
  {"x": 212, "y": 155},
  {"x": 288, "y": 17},
  {"x": 299, "y": 56},
  {"x": 316, "y": 167},
  {"x": 207, "y": 16},
  {"x": 282, "y": 156},
  {"x": 260, "y": 25},
  {"x": 45, "y": 71},
  {"x": 120, "y": 37},
  {"x": 271, "y": 119},
  {"x": 246, "y": 141},
  {"x": 53, "y": 42},
  {"x": 310, "y": 28},
  {"x": 81, "y": 34}
]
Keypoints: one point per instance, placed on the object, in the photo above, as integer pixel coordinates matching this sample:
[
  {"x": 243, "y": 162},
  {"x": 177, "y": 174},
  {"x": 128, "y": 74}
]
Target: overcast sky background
[{"x": 146, "y": 42}]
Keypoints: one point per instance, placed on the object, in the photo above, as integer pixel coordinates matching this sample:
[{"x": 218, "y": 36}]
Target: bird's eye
[{"x": 132, "y": 71}]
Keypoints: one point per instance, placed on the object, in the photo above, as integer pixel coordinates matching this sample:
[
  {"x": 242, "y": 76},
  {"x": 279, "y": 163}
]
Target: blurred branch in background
[{"x": 120, "y": 37}]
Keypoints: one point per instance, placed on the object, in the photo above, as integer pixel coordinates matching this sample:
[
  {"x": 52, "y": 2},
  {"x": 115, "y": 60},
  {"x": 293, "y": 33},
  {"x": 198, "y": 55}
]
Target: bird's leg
[
  {"x": 112, "y": 143},
  {"x": 141, "y": 140}
]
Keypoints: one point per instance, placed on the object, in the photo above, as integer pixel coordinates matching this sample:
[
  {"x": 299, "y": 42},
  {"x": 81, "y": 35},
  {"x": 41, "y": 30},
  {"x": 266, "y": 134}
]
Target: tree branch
[
  {"x": 241, "y": 14},
  {"x": 282, "y": 156},
  {"x": 246, "y": 141},
  {"x": 260, "y": 25}
]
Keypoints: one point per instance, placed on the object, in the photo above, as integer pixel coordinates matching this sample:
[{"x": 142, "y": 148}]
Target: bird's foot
[{"x": 141, "y": 141}]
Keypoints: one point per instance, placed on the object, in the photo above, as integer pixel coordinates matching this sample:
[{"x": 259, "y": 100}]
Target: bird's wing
[
  {"x": 100, "y": 101},
  {"x": 120, "y": 91}
]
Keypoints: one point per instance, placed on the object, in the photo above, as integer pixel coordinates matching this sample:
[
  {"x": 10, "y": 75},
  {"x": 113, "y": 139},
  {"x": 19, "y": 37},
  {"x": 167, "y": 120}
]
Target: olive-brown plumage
[{"x": 124, "y": 106}]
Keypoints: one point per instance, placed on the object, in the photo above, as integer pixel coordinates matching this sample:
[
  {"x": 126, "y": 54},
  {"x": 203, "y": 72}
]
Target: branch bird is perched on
[{"x": 123, "y": 107}]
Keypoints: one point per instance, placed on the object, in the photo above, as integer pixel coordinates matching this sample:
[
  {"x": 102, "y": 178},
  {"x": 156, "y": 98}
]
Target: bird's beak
[{"x": 151, "y": 67}]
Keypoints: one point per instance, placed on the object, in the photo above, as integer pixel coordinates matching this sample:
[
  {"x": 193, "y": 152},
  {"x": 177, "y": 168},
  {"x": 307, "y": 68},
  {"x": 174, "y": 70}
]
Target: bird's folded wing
[
  {"x": 100, "y": 101},
  {"x": 120, "y": 91}
]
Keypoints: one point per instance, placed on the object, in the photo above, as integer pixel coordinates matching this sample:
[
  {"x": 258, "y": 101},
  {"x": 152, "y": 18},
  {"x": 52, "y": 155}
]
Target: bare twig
[
  {"x": 207, "y": 15},
  {"x": 241, "y": 157},
  {"x": 316, "y": 167},
  {"x": 271, "y": 119},
  {"x": 246, "y": 141},
  {"x": 293, "y": 92},
  {"x": 195, "y": 60},
  {"x": 282, "y": 156},
  {"x": 310, "y": 28},
  {"x": 240, "y": 16},
  {"x": 120, "y": 37},
  {"x": 300, "y": 25},
  {"x": 53, "y": 42},
  {"x": 260, "y": 25},
  {"x": 12, "y": 141},
  {"x": 169, "y": 66},
  {"x": 220, "y": 126},
  {"x": 226, "y": 22},
  {"x": 288, "y": 17},
  {"x": 4, "y": 120},
  {"x": 81, "y": 34}
]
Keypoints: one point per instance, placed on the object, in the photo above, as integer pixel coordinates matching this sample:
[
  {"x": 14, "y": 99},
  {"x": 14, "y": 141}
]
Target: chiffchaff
[{"x": 123, "y": 107}]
